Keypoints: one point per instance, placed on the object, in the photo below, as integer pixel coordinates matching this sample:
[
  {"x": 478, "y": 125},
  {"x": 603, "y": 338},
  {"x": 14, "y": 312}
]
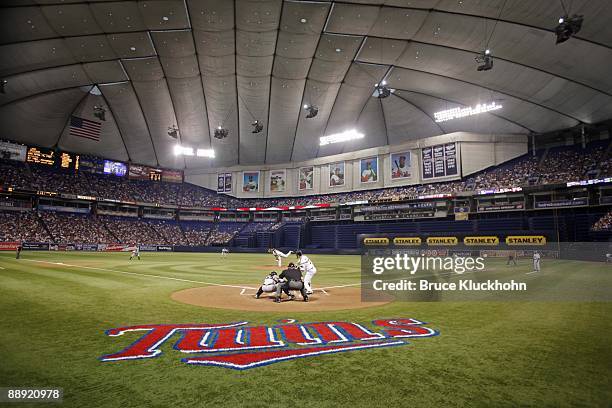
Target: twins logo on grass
[{"x": 240, "y": 347}]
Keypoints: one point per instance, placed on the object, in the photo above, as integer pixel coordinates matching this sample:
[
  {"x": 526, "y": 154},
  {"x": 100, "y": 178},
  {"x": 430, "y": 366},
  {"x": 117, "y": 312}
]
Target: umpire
[{"x": 293, "y": 278}]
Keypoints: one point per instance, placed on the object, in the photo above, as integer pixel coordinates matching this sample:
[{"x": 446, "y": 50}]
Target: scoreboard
[
  {"x": 51, "y": 158},
  {"x": 41, "y": 156},
  {"x": 68, "y": 161}
]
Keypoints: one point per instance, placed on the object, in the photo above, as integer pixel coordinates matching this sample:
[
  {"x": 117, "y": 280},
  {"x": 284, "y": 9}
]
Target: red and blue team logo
[{"x": 240, "y": 347}]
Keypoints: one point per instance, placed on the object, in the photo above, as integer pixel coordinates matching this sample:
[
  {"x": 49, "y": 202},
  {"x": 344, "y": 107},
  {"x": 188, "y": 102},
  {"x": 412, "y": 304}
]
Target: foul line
[{"x": 140, "y": 274}]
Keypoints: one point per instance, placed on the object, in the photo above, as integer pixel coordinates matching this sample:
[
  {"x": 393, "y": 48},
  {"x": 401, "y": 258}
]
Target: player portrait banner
[
  {"x": 368, "y": 168},
  {"x": 439, "y": 161},
  {"x": 250, "y": 181},
  {"x": 278, "y": 180},
  {"x": 336, "y": 174},
  {"x": 228, "y": 182},
  {"x": 221, "y": 183},
  {"x": 306, "y": 178},
  {"x": 401, "y": 165},
  {"x": 12, "y": 151}
]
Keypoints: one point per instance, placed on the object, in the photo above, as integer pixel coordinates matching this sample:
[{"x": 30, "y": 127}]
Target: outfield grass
[{"x": 487, "y": 354}]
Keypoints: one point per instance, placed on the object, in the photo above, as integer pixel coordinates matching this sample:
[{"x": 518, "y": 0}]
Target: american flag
[{"x": 85, "y": 128}]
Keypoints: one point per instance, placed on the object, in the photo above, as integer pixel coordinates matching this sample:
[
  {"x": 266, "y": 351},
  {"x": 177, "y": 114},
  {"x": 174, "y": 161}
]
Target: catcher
[{"x": 269, "y": 284}]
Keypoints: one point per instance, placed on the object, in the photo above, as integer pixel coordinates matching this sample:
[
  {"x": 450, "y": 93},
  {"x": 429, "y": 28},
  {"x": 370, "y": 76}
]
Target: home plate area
[{"x": 242, "y": 297}]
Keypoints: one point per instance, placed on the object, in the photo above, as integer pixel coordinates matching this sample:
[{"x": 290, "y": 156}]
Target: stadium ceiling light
[
  {"x": 457, "y": 113},
  {"x": 183, "y": 151},
  {"x": 312, "y": 110},
  {"x": 341, "y": 137},
  {"x": 221, "y": 133},
  {"x": 381, "y": 91},
  {"x": 3, "y": 83},
  {"x": 257, "y": 127},
  {"x": 206, "y": 153},
  {"x": 568, "y": 27},
  {"x": 99, "y": 112},
  {"x": 484, "y": 60},
  {"x": 173, "y": 132}
]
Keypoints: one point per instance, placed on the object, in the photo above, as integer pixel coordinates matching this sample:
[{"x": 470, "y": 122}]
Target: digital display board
[
  {"x": 172, "y": 176},
  {"x": 145, "y": 173},
  {"x": 37, "y": 155},
  {"x": 155, "y": 174},
  {"x": 91, "y": 164},
  {"x": 12, "y": 151},
  {"x": 115, "y": 168},
  {"x": 69, "y": 161}
]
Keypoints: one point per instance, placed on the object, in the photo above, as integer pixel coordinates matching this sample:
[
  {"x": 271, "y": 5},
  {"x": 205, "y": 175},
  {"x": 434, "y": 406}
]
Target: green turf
[{"x": 493, "y": 354}]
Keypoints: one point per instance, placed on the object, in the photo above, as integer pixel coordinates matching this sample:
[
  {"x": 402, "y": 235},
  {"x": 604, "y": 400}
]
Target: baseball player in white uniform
[
  {"x": 309, "y": 270},
  {"x": 224, "y": 252},
  {"x": 135, "y": 253},
  {"x": 536, "y": 261},
  {"x": 278, "y": 255},
  {"x": 269, "y": 284}
]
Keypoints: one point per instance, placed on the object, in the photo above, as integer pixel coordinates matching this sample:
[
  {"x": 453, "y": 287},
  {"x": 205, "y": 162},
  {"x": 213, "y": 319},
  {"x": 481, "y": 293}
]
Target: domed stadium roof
[{"x": 203, "y": 64}]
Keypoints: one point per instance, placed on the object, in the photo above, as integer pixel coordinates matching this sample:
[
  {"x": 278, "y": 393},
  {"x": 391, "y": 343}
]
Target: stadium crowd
[
  {"x": 558, "y": 165},
  {"x": 22, "y": 226},
  {"x": 59, "y": 227},
  {"x": 603, "y": 224}
]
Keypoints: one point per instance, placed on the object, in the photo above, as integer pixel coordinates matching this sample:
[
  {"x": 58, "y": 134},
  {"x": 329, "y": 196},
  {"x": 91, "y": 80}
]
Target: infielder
[
  {"x": 224, "y": 252},
  {"x": 269, "y": 284},
  {"x": 536, "y": 261},
  {"x": 309, "y": 270},
  {"x": 278, "y": 255}
]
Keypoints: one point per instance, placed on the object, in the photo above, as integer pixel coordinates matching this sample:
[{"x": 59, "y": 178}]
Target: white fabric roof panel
[
  {"x": 90, "y": 48},
  {"x": 28, "y": 56},
  {"x": 143, "y": 69},
  {"x": 517, "y": 43},
  {"x": 154, "y": 98},
  {"x": 131, "y": 45},
  {"x": 531, "y": 116},
  {"x": 118, "y": 17},
  {"x": 130, "y": 120},
  {"x": 483, "y": 123},
  {"x": 211, "y": 15},
  {"x": 194, "y": 66},
  {"x": 191, "y": 113},
  {"x": 354, "y": 95},
  {"x": 381, "y": 51},
  {"x": 306, "y": 142},
  {"x": 406, "y": 121},
  {"x": 24, "y": 24},
  {"x": 71, "y": 20},
  {"x": 164, "y": 14},
  {"x": 556, "y": 93},
  {"x": 103, "y": 72},
  {"x": 36, "y": 82},
  {"x": 541, "y": 14},
  {"x": 40, "y": 118},
  {"x": 283, "y": 118}
]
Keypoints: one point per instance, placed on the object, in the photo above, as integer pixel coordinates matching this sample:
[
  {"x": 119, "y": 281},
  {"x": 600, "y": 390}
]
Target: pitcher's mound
[{"x": 235, "y": 298}]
